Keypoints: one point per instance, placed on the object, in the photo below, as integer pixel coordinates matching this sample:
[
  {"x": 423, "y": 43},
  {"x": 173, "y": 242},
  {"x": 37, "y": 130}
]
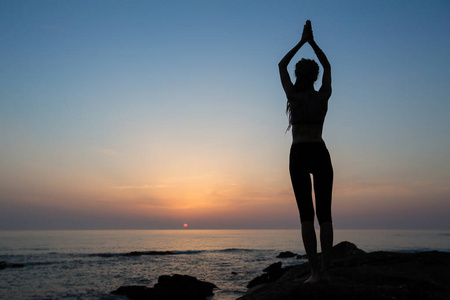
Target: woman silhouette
[{"x": 306, "y": 109}]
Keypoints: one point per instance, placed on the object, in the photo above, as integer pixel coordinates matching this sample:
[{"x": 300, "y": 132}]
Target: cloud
[
  {"x": 137, "y": 187},
  {"x": 107, "y": 152}
]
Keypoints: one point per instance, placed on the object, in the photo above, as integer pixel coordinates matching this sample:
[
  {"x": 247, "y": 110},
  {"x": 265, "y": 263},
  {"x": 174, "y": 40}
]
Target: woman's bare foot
[{"x": 314, "y": 278}]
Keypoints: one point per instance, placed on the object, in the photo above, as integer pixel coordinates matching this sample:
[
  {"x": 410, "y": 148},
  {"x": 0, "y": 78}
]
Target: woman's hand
[{"x": 307, "y": 34}]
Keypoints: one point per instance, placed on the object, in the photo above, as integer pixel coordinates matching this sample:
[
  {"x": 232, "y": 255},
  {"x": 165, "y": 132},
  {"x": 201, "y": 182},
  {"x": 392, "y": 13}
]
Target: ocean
[{"x": 90, "y": 264}]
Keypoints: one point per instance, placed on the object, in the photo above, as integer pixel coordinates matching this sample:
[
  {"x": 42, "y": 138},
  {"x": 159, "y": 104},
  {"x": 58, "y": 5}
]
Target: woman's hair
[{"x": 306, "y": 72}]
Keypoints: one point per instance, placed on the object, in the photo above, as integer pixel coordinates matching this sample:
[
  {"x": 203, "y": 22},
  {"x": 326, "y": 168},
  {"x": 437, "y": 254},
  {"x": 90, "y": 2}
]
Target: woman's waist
[{"x": 307, "y": 133}]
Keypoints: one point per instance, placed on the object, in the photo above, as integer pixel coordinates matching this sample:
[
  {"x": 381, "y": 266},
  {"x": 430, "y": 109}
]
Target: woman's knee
[
  {"x": 324, "y": 216},
  {"x": 306, "y": 214}
]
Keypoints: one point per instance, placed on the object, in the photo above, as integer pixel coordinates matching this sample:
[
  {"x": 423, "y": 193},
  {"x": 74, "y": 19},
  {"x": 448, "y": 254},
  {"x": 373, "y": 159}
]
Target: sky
[{"x": 153, "y": 114}]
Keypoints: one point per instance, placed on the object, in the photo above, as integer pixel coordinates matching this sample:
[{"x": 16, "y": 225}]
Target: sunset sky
[{"x": 153, "y": 114}]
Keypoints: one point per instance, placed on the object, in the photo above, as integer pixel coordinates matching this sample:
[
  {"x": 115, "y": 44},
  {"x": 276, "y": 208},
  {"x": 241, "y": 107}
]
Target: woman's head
[{"x": 306, "y": 71}]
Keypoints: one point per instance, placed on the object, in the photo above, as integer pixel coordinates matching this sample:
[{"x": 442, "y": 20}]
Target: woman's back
[
  {"x": 308, "y": 107},
  {"x": 307, "y": 114}
]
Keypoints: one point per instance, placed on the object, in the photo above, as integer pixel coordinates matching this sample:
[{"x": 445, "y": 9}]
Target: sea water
[{"x": 91, "y": 264}]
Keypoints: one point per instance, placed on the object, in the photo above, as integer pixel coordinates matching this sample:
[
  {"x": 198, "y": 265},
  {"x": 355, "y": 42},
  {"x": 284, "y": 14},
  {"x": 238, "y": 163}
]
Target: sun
[{"x": 185, "y": 225}]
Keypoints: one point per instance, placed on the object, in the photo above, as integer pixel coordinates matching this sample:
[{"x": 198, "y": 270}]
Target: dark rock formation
[
  {"x": 176, "y": 287},
  {"x": 275, "y": 271},
  {"x": 273, "y": 268},
  {"x": 369, "y": 276},
  {"x": 286, "y": 254},
  {"x": 136, "y": 292},
  {"x": 346, "y": 249},
  {"x": 272, "y": 273},
  {"x": 341, "y": 250},
  {"x": 4, "y": 265}
]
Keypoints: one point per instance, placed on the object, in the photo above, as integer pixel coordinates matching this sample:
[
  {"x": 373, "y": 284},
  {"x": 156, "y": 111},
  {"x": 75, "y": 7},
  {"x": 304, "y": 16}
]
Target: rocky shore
[
  {"x": 355, "y": 275},
  {"x": 360, "y": 275}
]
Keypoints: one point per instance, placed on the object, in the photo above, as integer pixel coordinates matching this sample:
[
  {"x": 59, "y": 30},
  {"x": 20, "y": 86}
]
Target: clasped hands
[{"x": 307, "y": 35}]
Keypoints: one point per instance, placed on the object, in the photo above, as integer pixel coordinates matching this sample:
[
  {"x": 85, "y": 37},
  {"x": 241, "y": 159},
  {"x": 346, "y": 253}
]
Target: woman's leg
[
  {"x": 310, "y": 244},
  {"x": 326, "y": 243},
  {"x": 302, "y": 191},
  {"x": 301, "y": 182},
  {"x": 323, "y": 186}
]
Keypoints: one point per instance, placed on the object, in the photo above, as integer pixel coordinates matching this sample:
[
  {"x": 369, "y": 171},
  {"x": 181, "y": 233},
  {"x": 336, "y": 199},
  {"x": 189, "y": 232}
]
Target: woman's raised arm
[
  {"x": 282, "y": 65},
  {"x": 326, "y": 78}
]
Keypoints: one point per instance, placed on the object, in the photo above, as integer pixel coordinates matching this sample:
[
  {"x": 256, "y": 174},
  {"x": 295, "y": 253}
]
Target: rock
[
  {"x": 261, "y": 279},
  {"x": 275, "y": 267},
  {"x": 272, "y": 273},
  {"x": 136, "y": 292},
  {"x": 275, "y": 271},
  {"x": 371, "y": 276},
  {"x": 176, "y": 287},
  {"x": 185, "y": 285},
  {"x": 345, "y": 249},
  {"x": 341, "y": 250},
  {"x": 286, "y": 254},
  {"x": 4, "y": 265}
]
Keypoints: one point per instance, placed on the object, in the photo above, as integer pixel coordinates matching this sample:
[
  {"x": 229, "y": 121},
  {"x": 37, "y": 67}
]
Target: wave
[
  {"x": 51, "y": 258},
  {"x": 143, "y": 253},
  {"x": 41, "y": 263},
  {"x": 170, "y": 252},
  {"x": 188, "y": 252},
  {"x": 234, "y": 250}
]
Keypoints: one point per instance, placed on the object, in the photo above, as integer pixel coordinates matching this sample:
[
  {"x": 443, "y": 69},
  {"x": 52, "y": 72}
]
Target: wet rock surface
[{"x": 360, "y": 275}]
